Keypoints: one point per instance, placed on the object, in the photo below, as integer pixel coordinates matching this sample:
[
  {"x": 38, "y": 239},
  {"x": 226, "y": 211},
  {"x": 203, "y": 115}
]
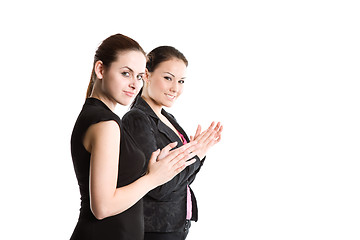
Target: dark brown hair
[
  {"x": 108, "y": 51},
  {"x": 162, "y": 54}
]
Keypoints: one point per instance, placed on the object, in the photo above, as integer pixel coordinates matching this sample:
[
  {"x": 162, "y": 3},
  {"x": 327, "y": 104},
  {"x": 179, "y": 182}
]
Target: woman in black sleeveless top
[
  {"x": 129, "y": 224},
  {"x": 112, "y": 173}
]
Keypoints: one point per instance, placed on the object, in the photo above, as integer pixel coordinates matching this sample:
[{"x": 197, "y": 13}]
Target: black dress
[{"x": 132, "y": 165}]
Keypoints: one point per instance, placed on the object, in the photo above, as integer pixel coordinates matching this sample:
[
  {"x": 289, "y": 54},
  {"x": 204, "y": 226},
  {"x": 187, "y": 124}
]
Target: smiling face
[
  {"x": 165, "y": 84},
  {"x": 122, "y": 80}
]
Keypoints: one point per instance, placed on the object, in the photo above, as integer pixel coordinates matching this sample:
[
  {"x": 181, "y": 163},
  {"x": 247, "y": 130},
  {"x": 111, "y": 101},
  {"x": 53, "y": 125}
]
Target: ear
[
  {"x": 99, "y": 69},
  {"x": 147, "y": 76}
]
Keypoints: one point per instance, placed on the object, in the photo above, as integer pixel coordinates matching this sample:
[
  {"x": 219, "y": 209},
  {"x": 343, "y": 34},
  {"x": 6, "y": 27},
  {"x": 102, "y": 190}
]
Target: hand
[
  {"x": 207, "y": 139},
  {"x": 166, "y": 150},
  {"x": 166, "y": 164}
]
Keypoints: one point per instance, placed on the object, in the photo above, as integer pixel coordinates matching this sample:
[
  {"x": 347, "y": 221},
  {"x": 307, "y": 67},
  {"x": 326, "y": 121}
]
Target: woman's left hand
[{"x": 206, "y": 139}]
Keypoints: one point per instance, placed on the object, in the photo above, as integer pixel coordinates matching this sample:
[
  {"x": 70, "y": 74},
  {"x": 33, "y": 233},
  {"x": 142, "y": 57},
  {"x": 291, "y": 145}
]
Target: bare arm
[{"x": 102, "y": 140}]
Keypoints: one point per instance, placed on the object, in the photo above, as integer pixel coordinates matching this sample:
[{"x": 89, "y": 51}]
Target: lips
[
  {"x": 129, "y": 93},
  {"x": 170, "y": 97}
]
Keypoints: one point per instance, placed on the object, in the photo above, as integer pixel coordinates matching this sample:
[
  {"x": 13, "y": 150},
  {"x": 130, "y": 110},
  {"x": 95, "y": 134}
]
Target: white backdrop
[{"x": 282, "y": 76}]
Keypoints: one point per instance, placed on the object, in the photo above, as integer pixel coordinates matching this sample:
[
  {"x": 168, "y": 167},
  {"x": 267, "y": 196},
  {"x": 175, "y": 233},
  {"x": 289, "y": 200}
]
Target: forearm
[{"x": 122, "y": 198}]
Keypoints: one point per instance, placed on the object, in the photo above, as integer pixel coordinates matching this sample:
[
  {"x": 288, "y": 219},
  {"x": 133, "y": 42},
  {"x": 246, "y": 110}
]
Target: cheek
[
  {"x": 159, "y": 85},
  {"x": 181, "y": 89},
  {"x": 155, "y": 92},
  {"x": 113, "y": 83},
  {"x": 157, "y": 88}
]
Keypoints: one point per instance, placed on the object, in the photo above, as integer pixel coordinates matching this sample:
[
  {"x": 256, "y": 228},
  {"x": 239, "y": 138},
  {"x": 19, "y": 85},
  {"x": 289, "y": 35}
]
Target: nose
[
  {"x": 135, "y": 83},
  {"x": 132, "y": 86},
  {"x": 132, "y": 83},
  {"x": 174, "y": 87}
]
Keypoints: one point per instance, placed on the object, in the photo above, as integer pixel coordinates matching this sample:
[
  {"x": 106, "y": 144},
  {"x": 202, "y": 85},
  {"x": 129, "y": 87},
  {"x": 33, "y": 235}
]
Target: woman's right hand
[
  {"x": 207, "y": 139},
  {"x": 166, "y": 164}
]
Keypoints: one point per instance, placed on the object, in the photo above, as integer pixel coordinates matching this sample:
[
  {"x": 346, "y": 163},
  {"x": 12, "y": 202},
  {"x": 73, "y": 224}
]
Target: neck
[
  {"x": 108, "y": 102},
  {"x": 99, "y": 94},
  {"x": 154, "y": 106}
]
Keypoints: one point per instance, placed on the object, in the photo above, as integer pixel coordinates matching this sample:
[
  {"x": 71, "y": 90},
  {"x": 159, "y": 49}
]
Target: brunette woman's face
[
  {"x": 165, "y": 84},
  {"x": 123, "y": 79}
]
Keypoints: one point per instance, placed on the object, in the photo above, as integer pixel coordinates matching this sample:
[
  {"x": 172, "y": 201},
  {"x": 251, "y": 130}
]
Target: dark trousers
[{"x": 168, "y": 235}]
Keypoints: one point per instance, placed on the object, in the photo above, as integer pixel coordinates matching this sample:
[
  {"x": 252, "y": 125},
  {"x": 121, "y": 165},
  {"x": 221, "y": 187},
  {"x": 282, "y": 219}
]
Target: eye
[
  {"x": 168, "y": 78},
  {"x": 125, "y": 74},
  {"x": 139, "y": 77},
  {"x": 181, "y": 81}
]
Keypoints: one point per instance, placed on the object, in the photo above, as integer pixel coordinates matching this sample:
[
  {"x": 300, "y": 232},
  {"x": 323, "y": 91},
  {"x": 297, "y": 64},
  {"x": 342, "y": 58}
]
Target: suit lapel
[
  {"x": 175, "y": 124},
  {"x": 163, "y": 128},
  {"x": 169, "y": 133}
]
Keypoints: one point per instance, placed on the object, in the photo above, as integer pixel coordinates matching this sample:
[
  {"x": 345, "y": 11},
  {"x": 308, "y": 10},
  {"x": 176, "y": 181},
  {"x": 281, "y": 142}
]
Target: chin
[
  {"x": 124, "y": 102},
  {"x": 168, "y": 105}
]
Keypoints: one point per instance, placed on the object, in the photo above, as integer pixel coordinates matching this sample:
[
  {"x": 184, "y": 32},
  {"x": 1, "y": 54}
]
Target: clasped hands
[
  {"x": 201, "y": 142},
  {"x": 167, "y": 163}
]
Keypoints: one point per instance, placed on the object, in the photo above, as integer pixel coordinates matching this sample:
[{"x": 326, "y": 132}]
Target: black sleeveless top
[{"x": 132, "y": 165}]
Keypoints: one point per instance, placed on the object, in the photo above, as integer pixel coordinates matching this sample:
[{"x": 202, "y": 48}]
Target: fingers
[
  {"x": 188, "y": 163},
  {"x": 170, "y": 146},
  {"x": 183, "y": 158},
  {"x": 154, "y": 156},
  {"x": 219, "y": 134},
  {"x": 179, "y": 170},
  {"x": 178, "y": 153},
  {"x": 211, "y": 135},
  {"x": 215, "y": 137},
  {"x": 180, "y": 166},
  {"x": 218, "y": 139},
  {"x": 165, "y": 151},
  {"x": 218, "y": 126},
  {"x": 166, "y": 155},
  {"x": 185, "y": 147},
  {"x": 208, "y": 138},
  {"x": 219, "y": 131},
  {"x": 205, "y": 135},
  {"x": 198, "y": 131},
  {"x": 213, "y": 132}
]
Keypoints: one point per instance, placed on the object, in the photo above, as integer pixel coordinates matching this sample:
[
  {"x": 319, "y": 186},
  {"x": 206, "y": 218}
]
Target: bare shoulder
[{"x": 104, "y": 133}]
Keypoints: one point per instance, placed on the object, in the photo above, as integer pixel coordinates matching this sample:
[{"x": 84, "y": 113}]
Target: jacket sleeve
[
  {"x": 139, "y": 126},
  {"x": 192, "y": 177}
]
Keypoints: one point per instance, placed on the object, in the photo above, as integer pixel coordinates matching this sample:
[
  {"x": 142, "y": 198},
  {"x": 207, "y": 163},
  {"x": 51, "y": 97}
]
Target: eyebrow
[
  {"x": 132, "y": 70},
  {"x": 170, "y": 73},
  {"x": 174, "y": 75}
]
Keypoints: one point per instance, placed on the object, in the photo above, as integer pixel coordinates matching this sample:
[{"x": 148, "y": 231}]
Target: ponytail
[{"x": 91, "y": 83}]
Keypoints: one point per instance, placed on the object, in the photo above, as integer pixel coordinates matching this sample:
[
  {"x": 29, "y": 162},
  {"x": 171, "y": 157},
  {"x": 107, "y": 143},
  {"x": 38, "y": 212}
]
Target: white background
[{"x": 282, "y": 76}]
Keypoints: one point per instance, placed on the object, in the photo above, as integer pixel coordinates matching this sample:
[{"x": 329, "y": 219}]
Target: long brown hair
[{"x": 108, "y": 51}]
